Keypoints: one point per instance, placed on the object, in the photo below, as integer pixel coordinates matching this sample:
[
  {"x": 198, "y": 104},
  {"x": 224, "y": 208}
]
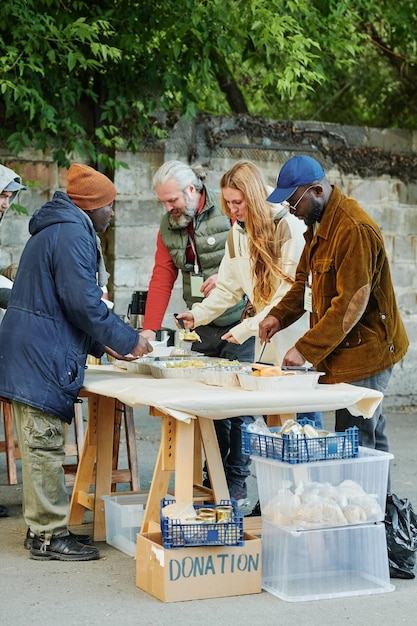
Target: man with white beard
[{"x": 191, "y": 239}]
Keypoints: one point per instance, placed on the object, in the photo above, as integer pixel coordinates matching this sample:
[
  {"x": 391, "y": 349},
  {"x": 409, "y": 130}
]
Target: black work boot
[
  {"x": 62, "y": 549},
  {"x": 84, "y": 539}
]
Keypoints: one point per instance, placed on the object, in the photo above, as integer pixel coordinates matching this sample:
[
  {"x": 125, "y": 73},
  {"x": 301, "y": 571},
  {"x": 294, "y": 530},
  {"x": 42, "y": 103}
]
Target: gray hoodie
[{"x": 9, "y": 181}]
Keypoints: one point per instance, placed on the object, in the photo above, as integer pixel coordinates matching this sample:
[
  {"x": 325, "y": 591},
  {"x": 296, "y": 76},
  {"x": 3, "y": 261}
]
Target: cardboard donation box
[{"x": 197, "y": 573}]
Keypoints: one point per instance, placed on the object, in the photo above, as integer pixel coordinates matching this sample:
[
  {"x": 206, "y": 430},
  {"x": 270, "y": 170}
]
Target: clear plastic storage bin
[
  {"x": 324, "y": 493},
  {"x": 325, "y": 563},
  {"x": 124, "y": 516}
]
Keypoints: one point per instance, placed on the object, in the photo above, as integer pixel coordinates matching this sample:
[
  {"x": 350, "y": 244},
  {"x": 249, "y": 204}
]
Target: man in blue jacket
[{"x": 55, "y": 317}]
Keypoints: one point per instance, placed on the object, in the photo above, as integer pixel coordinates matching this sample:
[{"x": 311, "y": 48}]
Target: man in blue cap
[{"x": 343, "y": 279}]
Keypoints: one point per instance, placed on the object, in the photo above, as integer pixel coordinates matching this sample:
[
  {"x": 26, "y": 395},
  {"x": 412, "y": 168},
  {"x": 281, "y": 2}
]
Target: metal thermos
[{"x": 136, "y": 311}]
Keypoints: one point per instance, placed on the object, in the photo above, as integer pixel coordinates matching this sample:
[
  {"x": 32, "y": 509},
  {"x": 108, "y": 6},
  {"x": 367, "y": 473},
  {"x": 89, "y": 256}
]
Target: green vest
[{"x": 210, "y": 234}]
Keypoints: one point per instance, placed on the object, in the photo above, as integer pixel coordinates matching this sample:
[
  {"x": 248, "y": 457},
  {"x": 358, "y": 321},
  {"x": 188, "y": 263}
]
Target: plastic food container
[{"x": 291, "y": 380}]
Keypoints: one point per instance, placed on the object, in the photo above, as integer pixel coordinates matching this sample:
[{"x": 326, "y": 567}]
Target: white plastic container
[{"x": 326, "y": 563}]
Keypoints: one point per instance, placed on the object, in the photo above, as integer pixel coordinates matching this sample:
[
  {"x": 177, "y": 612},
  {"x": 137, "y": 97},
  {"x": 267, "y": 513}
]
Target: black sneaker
[
  {"x": 84, "y": 539},
  {"x": 62, "y": 549},
  {"x": 4, "y": 511}
]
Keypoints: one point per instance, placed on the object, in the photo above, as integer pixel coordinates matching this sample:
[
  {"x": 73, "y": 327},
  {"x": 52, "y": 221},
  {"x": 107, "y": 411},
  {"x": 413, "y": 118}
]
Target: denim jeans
[
  {"x": 371, "y": 430},
  {"x": 316, "y": 417},
  {"x": 41, "y": 438},
  {"x": 229, "y": 431}
]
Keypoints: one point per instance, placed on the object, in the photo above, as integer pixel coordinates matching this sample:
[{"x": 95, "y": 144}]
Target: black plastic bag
[{"x": 401, "y": 532}]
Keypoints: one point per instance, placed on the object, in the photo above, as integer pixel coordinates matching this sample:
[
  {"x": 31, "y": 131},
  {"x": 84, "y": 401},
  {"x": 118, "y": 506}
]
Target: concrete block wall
[{"x": 130, "y": 242}]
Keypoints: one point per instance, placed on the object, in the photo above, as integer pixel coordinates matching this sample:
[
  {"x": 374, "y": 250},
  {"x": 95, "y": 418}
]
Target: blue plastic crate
[
  {"x": 300, "y": 449},
  {"x": 178, "y": 535}
]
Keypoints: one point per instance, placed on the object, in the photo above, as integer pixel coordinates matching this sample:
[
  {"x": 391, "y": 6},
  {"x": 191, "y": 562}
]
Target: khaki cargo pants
[{"x": 41, "y": 438}]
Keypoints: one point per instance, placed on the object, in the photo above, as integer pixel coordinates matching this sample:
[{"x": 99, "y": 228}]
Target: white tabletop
[{"x": 185, "y": 399}]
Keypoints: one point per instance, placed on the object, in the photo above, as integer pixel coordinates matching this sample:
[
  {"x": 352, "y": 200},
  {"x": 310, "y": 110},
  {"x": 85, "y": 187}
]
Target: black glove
[{"x": 4, "y": 297}]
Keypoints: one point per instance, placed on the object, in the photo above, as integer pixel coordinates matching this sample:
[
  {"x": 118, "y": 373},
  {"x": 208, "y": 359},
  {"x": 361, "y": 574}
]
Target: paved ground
[{"x": 104, "y": 592}]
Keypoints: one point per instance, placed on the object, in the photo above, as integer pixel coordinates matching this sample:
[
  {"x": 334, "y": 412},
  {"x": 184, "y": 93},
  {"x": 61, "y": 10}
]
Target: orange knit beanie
[{"x": 89, "y": 189}]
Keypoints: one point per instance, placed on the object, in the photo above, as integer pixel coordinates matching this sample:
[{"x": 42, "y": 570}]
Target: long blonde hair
[{"x": 260, "y": 226}]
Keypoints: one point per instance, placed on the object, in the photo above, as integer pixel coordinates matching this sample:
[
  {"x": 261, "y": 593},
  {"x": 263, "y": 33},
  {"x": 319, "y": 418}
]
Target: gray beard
[{"x": 186, "y": 217}]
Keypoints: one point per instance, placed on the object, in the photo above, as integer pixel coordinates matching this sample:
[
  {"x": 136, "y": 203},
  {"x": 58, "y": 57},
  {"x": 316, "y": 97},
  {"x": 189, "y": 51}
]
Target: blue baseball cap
[{"x": 297, "y": 171}]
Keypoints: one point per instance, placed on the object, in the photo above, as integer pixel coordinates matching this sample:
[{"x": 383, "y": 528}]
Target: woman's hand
[
  {"x": 187, "y": 318},
  {"x": 229, "y": 337}
]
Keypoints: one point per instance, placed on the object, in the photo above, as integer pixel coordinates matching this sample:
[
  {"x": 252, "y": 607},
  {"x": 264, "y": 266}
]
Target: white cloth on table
[{"x": 185, "y": 399}]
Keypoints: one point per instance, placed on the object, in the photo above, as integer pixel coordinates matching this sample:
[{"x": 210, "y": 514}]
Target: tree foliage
[{"x": 87, "y": 77}]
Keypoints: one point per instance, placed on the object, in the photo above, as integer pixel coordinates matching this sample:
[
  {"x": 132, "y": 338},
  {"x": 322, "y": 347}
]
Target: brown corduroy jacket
[{"x": 356, "y": 328}]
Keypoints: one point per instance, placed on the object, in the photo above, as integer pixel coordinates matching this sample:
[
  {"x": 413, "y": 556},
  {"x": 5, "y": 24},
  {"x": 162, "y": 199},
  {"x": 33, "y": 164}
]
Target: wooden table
[{"x": 187, "y": 409}]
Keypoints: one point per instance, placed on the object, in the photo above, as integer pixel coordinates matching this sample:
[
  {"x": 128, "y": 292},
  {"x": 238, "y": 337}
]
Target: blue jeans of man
[
  {"x": 371, "y": 430},
  {"x": 229, "y": 431},
  {"x": 316, "y": 417}
]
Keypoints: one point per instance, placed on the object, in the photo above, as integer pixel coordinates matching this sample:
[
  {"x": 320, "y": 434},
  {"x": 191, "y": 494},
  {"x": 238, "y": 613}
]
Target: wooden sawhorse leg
[
  {"x": 98, "y": 450},
  {"x": 9, "y": 445},
  {"x": 99, "y": 458},
  {"x": 124, "y": 415},
  {"x": 278, "y": 420},
  {"x": 75, "y": 449},
  {"x": 214, "y": 461},
  {"x": 81, "y": 498},
  {"x": 177, "y": 454}
]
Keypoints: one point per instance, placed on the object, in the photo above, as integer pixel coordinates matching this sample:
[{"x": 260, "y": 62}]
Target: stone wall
[{"x": 376, "y": 166}]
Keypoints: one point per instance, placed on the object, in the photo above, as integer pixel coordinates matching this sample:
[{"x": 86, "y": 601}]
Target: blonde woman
[{"x": 260, "y": 261}]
